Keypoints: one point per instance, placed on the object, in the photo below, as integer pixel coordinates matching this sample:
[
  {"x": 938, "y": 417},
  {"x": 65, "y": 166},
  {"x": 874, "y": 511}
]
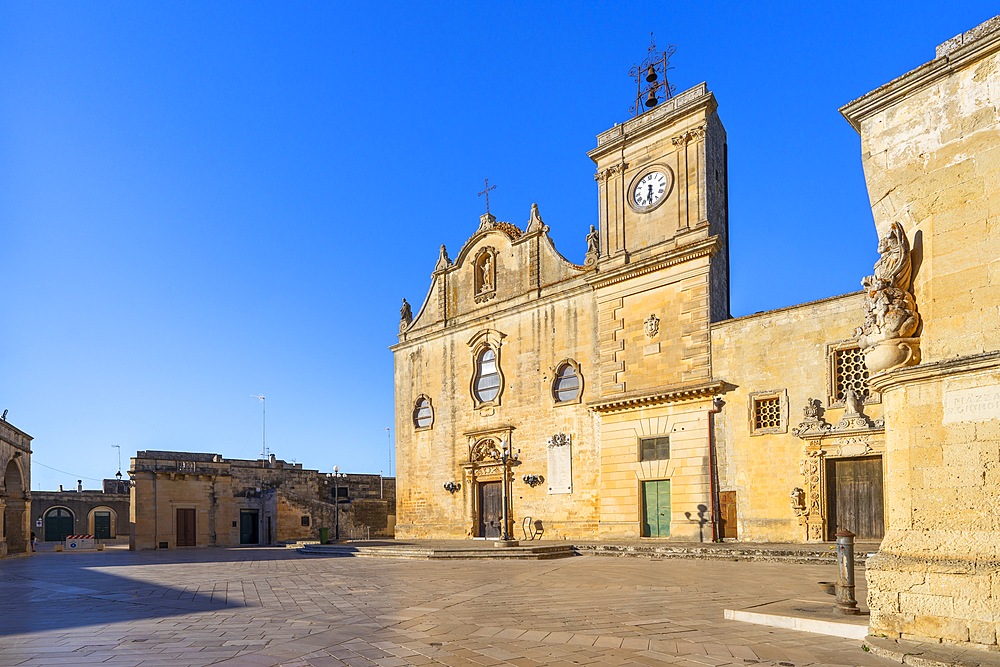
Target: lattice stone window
[
  {"x": 768, "y": 412},
  {"x": 847, "y": 370}
]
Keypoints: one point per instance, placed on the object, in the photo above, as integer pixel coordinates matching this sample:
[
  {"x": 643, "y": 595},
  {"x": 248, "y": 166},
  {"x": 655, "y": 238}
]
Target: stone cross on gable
[{"x": 487, "y": 193}]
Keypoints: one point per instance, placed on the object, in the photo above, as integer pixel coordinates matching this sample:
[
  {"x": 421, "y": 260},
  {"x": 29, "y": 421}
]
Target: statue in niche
[
  {"x": 487, "y": 274},
  {"x": 798, "y": 496},
  {"x": 852, "y": 402},
  {"x": 890, "y": 311}
]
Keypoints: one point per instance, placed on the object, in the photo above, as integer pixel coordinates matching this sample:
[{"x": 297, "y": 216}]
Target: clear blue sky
[{"x": 200, "y": 202}]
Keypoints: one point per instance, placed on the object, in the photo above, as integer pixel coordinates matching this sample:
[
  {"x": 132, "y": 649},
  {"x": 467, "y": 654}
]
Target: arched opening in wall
[
  {"x": 59, "y": 523},
  {"x": 102, "y": 523},
  {"x": 15, "y": 510}
]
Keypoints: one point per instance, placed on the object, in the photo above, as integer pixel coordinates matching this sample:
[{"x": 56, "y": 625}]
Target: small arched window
[
  {"x": 567, "y": 383},
  {"x": 423, "y": 413},
  {"x": 486, "y": 386}
]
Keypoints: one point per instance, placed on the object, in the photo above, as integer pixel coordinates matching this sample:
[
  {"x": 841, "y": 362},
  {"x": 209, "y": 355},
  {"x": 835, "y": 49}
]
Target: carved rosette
[{"x": 891, "y": 318}]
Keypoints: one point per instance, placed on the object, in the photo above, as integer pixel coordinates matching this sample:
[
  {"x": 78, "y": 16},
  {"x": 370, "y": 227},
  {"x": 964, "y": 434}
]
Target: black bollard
[{"x": 846, "y": 604}]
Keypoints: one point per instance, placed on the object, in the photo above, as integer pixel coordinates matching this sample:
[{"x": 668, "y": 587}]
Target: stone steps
[
  {"x": 757, "y": 552},
  {"x": 420, "y": 552}
]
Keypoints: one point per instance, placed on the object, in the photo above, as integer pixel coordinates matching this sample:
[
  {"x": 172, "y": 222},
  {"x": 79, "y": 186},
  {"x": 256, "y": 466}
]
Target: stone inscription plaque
[
  {"x": 969, "y": 405},
  {"x": 560, "y": 472}
]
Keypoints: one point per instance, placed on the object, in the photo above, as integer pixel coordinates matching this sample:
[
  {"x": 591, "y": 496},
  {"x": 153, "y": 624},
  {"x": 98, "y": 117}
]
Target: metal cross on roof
[{"x": 487, "y": 193}]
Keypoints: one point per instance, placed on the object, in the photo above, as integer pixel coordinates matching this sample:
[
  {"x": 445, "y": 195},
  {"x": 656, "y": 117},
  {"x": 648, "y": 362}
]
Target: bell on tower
[{"x": 653, "y": 73}]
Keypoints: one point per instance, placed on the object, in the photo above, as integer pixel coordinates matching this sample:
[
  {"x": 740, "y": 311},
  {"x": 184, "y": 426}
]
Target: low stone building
[
  {"x": 188, "y": 499},
  {"x": 15, "y": 492},
  {"x": 101, "y": 513}
]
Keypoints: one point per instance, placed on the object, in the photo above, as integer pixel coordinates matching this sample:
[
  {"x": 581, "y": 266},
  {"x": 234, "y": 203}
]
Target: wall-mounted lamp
[
  {"x": 533, "y": 480},
  {"x": 452, "y": 487}
]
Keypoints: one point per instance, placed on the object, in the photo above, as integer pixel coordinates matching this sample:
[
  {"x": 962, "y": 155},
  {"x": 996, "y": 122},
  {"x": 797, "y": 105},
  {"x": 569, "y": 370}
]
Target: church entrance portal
[
  {"x": 854, "y": 497},
  {"x": 490, "y": 509}
]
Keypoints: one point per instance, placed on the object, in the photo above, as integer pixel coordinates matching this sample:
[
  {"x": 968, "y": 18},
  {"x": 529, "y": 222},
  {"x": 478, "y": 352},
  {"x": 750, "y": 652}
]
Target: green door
[
  {"x": 58, "y": 524},
  {"x": 102, "y": 525},
  {"x": 656, "y": 508}
]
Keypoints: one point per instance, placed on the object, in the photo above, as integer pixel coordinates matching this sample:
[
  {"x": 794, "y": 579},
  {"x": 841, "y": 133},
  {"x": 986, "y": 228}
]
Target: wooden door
[
  {"x": 186, "y": 528},
  {"x": 727, "y": 514},
  {"x": 854, "y": 497},
  {"x": 249, "y": 527},
  {"x": 656, "y": 508},
  {"x": 490, "y": 509},
  {"x": 102, "y": 525},
  {"x": 58, "y": 524}
]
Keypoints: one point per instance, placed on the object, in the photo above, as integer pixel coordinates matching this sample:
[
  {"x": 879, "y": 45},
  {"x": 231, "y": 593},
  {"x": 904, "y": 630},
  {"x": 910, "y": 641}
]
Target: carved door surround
[
  {"x": 481, "y": 466},
  {"x": 855, "y": 435}
]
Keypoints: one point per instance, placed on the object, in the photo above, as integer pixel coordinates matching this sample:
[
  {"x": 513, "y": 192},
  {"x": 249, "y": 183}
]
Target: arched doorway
[
  {"x": 102, "y": 523},
  {"x": 15, "y": 509},
  {"x": 59, "y": 523}
]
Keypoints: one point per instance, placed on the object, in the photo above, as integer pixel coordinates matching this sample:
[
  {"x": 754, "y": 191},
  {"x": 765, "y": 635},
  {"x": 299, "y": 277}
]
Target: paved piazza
[{"x": 267, "y": 606}]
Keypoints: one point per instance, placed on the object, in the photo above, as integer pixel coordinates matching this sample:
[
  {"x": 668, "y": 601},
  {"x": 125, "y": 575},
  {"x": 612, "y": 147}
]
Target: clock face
[{"x": 650, "y": 189}]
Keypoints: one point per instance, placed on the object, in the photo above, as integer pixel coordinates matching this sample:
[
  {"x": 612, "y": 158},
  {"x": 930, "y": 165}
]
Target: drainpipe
[{"x": 716, "y": 408}]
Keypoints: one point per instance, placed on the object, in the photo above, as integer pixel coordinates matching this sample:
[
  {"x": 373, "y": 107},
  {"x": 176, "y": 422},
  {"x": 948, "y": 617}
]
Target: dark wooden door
[
  {"x": 102, "y": 525},
  {"x": 249, "y": 527},
  {"x": 656, "y": 508},
  {"x": 185, "y": 528},
  {"x": 490, "y": 509},
  {"x": 854, "y": 497},
  {"x": 727, "y": 514},
  {"x": 58, "y": 524}
]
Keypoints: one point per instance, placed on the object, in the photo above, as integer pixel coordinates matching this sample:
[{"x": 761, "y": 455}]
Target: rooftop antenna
[
  {"x": 652, "y": 73},
  {"x": 119, "y": 448},
  {"x": 263, "y": 427},
  {"x": 388, "y": 442}
]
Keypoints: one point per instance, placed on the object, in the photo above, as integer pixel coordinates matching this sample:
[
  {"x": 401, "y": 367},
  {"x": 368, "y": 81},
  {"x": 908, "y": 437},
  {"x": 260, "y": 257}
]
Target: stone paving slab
[{"x": 270, "y": 607}]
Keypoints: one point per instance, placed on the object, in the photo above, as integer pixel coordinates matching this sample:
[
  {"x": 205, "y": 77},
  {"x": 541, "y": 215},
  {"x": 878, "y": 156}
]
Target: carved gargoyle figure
[
  {"x": 890, "y": 311},
  {"x": 405, "y": 314}
]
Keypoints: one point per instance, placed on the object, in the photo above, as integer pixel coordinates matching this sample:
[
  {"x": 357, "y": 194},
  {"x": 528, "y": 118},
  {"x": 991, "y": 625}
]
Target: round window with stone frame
[
  {"x": 650, "y": 188},
  {"x": 567, "y": 383},
  {"x": 423, "y": 413}
]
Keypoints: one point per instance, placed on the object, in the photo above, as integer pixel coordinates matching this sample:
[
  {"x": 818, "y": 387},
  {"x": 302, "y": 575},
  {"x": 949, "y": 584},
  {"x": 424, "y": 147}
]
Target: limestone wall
[
  {"x": 931, "y": 153},
  {"x": 787, "y": 353}
]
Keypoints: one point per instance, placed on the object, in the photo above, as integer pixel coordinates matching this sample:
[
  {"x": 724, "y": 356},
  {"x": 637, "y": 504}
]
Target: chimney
[
  {"x": 60, "y": 488},
  {"x": 273, "y": 459},
  {"x": 79, "y": 485}
]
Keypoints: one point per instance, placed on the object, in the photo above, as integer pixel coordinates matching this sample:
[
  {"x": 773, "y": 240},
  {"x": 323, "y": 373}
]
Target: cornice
[
  {"x": 487, "y": 316},
  {"x": 672, "y": 110},
  {"x": 705, "y": 248},
  {"x": 985, "y": 361},
  {"x": 927, "y": 74},
  {"x": 633, "y": 400}
]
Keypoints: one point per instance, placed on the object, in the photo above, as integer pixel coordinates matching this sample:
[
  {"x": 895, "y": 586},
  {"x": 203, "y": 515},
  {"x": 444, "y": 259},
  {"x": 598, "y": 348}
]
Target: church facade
[
  {"x": 619, "y": 399},
  {"x": 635, "y": 405}
]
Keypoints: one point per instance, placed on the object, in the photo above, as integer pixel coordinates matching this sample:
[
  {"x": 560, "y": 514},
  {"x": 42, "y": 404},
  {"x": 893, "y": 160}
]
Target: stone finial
[
  {"x": 443, "y": 260},
  {"x": 535, "y": 223},
  {"x": 593, "y": 247},
  {"x": 405, "y": 314},
  {"x": 486, "y": 221},
  {"x": 890, "y": 311}
]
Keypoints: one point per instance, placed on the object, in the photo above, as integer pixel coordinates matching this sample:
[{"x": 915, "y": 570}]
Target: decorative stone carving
[
  {"x": 891, "y": 316},
  {"x": 690, "y": 135},
  {"x": 854, "y": 418},
  {"x": 593, "y": 247},
  {"x": 608, "y": 172},
  {"x": 652, "y": 325},
  {"x": 813, "y": 424},
  {"x": 558, "y": 440},
  {"x": 486, "y": 221},
  {"x": 535, "y": 223},
  {"x": 798, "y": 497},
  {"x": 405, "y": 314},
  {"x": 485, "y": 450},
  {"x": 443, "y": 260}
]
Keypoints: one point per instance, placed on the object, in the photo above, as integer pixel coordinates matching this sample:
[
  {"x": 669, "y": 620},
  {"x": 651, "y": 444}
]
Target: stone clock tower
[{"x": 661, "y": 279}]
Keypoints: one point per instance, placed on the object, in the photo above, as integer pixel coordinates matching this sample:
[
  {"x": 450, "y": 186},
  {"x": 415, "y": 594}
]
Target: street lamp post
[
  {"x": 336, "y": 475},
  {"x": 507, "y": 459}
]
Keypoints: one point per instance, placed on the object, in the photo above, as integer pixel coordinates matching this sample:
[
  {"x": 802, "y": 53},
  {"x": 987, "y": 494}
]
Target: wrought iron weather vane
[
  {"x": 487, "y": 193},
  {"x": 651, "y": 78}
]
